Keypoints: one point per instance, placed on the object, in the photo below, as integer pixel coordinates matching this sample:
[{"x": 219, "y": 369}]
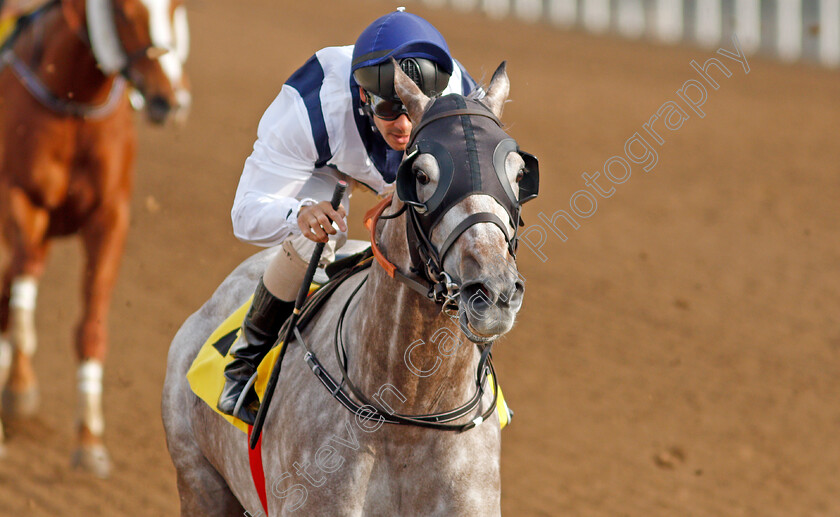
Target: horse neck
[
  {"x": 63, "y": 61},
  {"x": 391, "y": 318}
]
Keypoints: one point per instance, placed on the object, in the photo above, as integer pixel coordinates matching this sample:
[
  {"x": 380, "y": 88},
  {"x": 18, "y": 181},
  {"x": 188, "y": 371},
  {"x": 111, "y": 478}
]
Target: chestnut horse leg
[
  {"x": 104, "y": 238},
  {"x": 25, "y": 230},
  {"x": 5, "y": 345},
  {"x": 5, "y": 353}
]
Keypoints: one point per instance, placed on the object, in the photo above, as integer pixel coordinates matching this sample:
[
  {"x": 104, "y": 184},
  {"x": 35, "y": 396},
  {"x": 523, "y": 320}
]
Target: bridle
[
  {"x": 427, "y": 276},
  {"x": 35, "y": 86},
  {"x": 476, "y": 125},
  {"x": 130, "y": 57}
]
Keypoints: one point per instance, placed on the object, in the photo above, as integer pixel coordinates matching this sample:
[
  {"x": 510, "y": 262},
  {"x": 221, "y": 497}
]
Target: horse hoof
[
  {"x": 93, "y": 459},
  {"x": 21, "y": 403}
]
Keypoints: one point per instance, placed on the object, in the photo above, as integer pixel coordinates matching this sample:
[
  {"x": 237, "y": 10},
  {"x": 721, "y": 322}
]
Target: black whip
[{"x": 338, "y": 194}]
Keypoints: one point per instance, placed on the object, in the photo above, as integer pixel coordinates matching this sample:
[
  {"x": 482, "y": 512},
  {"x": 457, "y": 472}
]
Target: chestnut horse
[{"x": 67, "y": 152}]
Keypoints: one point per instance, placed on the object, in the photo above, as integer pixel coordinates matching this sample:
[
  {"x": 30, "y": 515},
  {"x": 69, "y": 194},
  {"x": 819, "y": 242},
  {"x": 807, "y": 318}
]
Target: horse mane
[{"x": 477, "y": 93}]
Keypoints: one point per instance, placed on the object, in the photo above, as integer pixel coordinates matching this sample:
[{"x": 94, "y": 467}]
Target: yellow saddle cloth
[
  {"x": 7, "y": 25},
  {"x": 206, "y": 374}
]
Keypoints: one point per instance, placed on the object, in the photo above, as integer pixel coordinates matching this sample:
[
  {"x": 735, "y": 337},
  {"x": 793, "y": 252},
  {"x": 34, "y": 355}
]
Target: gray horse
[{"x": 402, "y": 351}]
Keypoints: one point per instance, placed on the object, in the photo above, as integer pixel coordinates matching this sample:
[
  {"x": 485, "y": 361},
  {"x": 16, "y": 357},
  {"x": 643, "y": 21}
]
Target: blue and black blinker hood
[{"x": 470, "y": 146}]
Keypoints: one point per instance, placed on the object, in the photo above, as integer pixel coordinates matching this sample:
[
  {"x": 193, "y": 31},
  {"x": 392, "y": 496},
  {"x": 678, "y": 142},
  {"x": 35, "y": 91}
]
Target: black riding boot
[{"x": 259, "y": 332}]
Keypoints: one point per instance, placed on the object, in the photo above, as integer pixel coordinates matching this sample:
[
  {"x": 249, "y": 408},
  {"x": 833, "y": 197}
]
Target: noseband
[{"x": 460, "y": 134}]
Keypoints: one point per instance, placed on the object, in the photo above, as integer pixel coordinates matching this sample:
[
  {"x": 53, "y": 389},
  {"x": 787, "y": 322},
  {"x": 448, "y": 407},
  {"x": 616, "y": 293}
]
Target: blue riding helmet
[{"x": 419, "y": 48}]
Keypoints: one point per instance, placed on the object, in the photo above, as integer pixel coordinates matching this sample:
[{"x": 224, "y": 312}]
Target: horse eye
[
  {"x": 520, "y": 175},
  {"x": 422, "y": 177}
]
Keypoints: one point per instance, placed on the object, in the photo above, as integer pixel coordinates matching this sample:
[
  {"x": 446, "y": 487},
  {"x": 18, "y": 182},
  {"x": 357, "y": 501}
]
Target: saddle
[{"x": 206, "y": 374}]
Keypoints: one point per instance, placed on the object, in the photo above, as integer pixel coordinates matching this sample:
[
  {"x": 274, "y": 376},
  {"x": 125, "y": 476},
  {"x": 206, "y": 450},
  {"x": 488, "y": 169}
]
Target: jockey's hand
[{"x": 315, "y": 221}]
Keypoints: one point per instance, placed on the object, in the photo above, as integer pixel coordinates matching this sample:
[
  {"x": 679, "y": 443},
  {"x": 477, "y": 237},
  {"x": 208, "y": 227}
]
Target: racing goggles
[{"x": 385, "y": 109}]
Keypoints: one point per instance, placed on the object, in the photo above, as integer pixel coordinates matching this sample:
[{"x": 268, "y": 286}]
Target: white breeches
[{"x": 285, "y": 272}]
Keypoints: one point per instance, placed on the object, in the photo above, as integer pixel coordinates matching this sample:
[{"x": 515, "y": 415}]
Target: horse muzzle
[
  {"x": 157, "y": 109},
  {"x": 487, "y": 309}
]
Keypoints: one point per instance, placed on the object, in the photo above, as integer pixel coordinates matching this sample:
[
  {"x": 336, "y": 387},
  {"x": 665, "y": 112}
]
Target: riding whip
[{"x": 338, "y": 194}]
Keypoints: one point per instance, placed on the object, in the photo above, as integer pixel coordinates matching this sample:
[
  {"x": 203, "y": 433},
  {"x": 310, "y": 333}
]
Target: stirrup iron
[{"x": 245, "y": 390}]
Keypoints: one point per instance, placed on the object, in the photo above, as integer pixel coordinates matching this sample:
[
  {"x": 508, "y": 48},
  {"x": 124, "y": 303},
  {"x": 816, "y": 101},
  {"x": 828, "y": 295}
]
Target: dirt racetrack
[{"x": 678, "y": 355}]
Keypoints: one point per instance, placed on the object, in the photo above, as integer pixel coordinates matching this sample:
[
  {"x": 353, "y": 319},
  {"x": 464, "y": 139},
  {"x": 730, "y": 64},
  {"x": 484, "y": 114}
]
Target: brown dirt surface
[{"x": 676, "y": 356}]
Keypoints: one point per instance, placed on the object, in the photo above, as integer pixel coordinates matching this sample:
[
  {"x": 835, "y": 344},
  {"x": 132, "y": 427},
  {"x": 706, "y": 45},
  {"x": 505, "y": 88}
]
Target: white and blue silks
[{"x": 314, "y": 122}]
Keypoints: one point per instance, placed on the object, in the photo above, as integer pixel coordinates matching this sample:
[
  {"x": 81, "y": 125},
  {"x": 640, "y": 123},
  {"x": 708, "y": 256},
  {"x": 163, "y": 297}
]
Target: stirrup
[{"x": 244, "y": 393}]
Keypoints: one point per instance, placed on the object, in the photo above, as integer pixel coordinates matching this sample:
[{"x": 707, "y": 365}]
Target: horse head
[
  {"x": 147, "y": 41},
  {"x": 464, "y": 180}
]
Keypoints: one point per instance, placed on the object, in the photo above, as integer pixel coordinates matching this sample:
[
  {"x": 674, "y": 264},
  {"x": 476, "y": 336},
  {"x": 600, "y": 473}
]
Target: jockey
[{"x": 336, "y": 118}]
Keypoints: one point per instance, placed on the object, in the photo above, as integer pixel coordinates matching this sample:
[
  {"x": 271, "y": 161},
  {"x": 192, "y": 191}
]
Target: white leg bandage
[
  {"x": 22, "y": 314},
  {"x": 89, "y": 377},
  {"x": 24, "y": 293}
]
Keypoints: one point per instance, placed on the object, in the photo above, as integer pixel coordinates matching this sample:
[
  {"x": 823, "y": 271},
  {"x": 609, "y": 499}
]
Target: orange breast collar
[{"x": 371, "y": 219}]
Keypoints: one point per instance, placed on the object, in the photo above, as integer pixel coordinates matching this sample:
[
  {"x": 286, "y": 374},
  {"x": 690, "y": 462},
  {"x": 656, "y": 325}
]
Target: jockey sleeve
[{"x": 310, "y": 124}]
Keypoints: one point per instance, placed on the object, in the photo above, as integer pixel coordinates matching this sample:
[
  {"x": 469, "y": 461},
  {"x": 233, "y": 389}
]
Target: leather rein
[
  {"x": 363, "y": 406},
  {"x": 345, "y": 391}
]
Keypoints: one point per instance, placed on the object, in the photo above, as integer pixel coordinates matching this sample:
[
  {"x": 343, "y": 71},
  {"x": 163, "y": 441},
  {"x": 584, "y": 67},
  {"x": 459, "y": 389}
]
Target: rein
[
  {"x": 365, "y": 408},
  {"x": 35, "y": 86},
  {"x": 433, "y": 420}
]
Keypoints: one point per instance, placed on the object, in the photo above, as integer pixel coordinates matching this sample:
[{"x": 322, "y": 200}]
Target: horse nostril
[
  {"x": 158, "y": 108},
  {"x": 517, "y": 295},
  {"x": 478, "y": 298}
]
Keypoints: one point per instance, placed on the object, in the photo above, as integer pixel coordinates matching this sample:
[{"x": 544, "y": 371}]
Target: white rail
[{"x": 789, "y": 29}]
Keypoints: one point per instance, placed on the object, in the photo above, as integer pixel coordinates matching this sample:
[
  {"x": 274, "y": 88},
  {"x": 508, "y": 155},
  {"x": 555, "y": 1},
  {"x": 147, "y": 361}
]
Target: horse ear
[
  {"x": 497, "y": 92},
  {"x": 410, "y": 94}
]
